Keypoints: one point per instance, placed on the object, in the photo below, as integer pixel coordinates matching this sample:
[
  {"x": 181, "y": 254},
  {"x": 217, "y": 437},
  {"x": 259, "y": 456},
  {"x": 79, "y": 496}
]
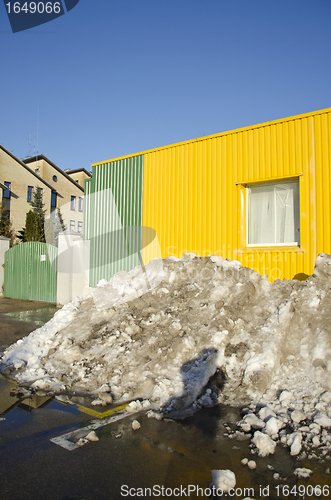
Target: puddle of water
[
  {"x": 37, "y": 316},
  {"x": 13, "y": 405},
  {"x": 18, "y": 324},
  {"x": 169, "y": 453}
]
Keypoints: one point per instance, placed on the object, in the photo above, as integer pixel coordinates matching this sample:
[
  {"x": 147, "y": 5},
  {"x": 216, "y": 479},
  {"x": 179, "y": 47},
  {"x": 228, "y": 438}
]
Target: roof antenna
[{"x": 37, "y": 126}]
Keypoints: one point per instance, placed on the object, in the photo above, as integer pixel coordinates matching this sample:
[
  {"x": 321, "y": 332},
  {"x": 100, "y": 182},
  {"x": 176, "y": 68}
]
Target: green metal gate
[{"x": 31, "y": 272}]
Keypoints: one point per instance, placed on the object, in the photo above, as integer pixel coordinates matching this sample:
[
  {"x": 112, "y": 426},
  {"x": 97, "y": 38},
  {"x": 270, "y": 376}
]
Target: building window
[
  {"x": 80, "y": 204},
  {"x": 80, "y": 226},
  {"x": 72, "y": 225},
  {"x": 53, "y": 201},
  {"x": 73, "y": 203},
  {"x": 274, "y": 213},
  {"x": 6, "y": 192},
  {"x": 40, "y": 191},
  {"x": 54, "y": 178},
  {"x": 29, "y": 193}
]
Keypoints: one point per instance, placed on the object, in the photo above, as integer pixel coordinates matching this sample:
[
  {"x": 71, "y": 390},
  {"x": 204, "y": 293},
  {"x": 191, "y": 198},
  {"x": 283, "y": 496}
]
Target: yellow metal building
[{"x": 259, "y": 195}]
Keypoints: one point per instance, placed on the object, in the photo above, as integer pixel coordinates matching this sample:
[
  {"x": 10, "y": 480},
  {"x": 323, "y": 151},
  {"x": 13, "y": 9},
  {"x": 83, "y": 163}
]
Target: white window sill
[{"x": 272, "y": 245}]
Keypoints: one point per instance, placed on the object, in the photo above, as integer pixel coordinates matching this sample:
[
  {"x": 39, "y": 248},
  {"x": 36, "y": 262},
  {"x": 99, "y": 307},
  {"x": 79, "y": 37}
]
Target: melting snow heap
[{"x": 188, "y": 333}]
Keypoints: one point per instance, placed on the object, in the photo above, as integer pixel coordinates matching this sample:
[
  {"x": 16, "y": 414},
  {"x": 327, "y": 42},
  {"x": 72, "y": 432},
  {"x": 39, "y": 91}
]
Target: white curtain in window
[
  {"x": 274, "y": 213},
  {"x": 284, "y": 221}
]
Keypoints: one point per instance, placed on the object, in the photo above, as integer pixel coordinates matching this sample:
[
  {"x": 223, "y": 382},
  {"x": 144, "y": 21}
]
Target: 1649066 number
[
  {"x": 307, "y": 491},
  {"x": 33, "y": 7}
]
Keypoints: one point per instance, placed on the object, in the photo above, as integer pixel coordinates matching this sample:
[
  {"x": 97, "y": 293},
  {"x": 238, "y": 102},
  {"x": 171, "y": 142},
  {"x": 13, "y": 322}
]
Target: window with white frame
[
  {"x": 274, "y": 213},
  {"x": 80, "y": 226},
  {"x": 72, "y": 225},
  {"x": 73, "y": 203},
  {"x": 80, "y": 204}
]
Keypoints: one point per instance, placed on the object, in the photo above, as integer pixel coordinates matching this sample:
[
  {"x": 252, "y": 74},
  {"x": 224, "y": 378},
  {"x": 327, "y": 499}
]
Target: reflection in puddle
[
  {"x": 37, "y": 316},
  {"x": 9, "y": 398}
]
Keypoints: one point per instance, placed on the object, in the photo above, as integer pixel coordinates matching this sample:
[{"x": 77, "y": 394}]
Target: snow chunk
[
  {"x": 294, "y": 441},
  {"x": 135, "y": 425},
  {"x": 264, "y": 444},
  {"x": 266, "y": 412},
  {"x": 252, "y": 422},
  {"x": 297, "y": 416},
  {"x": 322, "y": 420},
  {"x": 285, "y": 396},
  {"x": 322, "y": 269},
  {"x": 82, "y": 442},
  {"x": 302, "y": 472},
  {"x": 223, "y": 479},
  {"x": 134, "y": 407},
  {"x": 91, "y": 436},
  {"x": 273, "y": 426}
]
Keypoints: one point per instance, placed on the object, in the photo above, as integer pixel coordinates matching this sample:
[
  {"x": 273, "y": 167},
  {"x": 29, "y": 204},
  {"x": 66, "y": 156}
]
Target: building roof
[
  {"x": 76, "y": 170},
  {"x": 40, "y": 179},
  {"x": 31, "y": 159},
  {"x": 198, "y": 139}
]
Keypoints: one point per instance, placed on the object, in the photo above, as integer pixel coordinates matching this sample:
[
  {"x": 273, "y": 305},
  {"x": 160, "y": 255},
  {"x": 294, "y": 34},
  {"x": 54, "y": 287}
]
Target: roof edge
[
  {"x": 78, "y": 170},
  {"x": 27, "y": 168},
  {"x": 31, "y": 159},
  {"x": 234, "y": 131}
]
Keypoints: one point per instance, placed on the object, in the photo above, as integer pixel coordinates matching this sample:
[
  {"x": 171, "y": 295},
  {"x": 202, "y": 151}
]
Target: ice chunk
[
  {"x": 285, "y": 396},
  {"x": 322, "y": 420},
  {"x": 326, "y": 397},
  {"x": 135, "y": 425},
  {"x": 134, "y": 407},
  {"x": 217, "y": 259},
  {"x": 302, "y": 472},
  {"x": 105, "y": 397},
  {"x": 253, "y": 421},
  {"x": 91, "y": 436},
  {"x": 223, "y": 479},
  {"x": 294, "y": 441},
  {"x": 316, "y": 441},
  {"x": 264, "y": 444},
  {"x": 266, "y": 412},
  {"x": 297, "y": 416},
  {"x": 273, "y": 426},
  {"x": 81, "y": 442},
  {"x": 322, "y": 269}
]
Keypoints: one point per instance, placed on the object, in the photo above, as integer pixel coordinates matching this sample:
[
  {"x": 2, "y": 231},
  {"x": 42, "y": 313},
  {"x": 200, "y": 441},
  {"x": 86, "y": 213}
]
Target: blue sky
[{"x": 114, "y": 78}]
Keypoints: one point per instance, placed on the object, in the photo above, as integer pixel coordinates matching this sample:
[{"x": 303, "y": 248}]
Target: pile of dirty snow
[{"x": 188, "y": 333}]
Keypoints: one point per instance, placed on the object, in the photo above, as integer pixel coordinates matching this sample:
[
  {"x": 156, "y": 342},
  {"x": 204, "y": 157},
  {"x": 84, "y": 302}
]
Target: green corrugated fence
[{"x": 31, "y": 272}]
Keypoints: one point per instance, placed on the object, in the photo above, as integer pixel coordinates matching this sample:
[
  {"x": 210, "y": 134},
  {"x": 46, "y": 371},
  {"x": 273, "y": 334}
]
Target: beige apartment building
[
  {"x": 78, "y": 175},
  {"x": 69, "y": 193},
  {"x": 18, "y": 179}
]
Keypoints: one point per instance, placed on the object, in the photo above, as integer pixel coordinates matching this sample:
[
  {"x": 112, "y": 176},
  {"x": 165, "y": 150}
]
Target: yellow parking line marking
[{"x": 98, "y": 414}]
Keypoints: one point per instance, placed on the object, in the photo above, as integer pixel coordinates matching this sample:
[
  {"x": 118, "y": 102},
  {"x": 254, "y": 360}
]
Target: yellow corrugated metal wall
[{"x": 194, "y": 193}]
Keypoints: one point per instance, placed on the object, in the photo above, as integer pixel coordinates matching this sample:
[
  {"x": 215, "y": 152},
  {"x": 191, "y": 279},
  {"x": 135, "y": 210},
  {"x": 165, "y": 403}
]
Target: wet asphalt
[{"x": 124, "y": 463}]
